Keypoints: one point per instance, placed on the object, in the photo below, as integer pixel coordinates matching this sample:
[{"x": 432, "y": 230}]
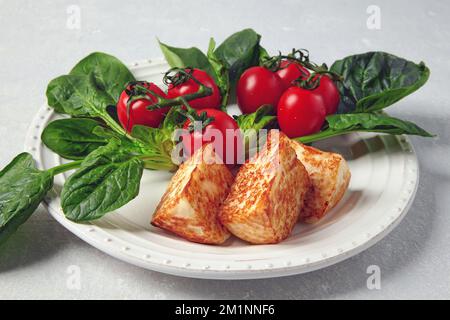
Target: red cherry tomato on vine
[
  {"x": 329, "y": 92},
  {"x": 300, "y": 112},
  {"x": 258, "y": 86},
  {"x": 138, "y": 112},
  {"x": 190, "y": 86},
  {"x": 231, "y": 141},
  {"x": 290, "y": 71}
]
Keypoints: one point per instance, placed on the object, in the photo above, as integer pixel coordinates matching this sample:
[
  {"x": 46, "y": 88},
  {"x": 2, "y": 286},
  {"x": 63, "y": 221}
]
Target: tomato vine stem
[{"x": 300, "y": 56}]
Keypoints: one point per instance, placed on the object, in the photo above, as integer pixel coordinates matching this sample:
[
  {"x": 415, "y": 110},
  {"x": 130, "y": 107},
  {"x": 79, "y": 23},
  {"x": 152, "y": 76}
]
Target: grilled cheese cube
[
  {"x": 265, "y": 200},
  {"x": 330, "y": 177},
  {"x": 190, "y": 206}
]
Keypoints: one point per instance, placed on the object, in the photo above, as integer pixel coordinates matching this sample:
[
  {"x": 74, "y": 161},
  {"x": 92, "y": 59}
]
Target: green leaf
[
  {"x": 91, "y": 88},
  {"x": 250, "y": 124},
  {"x": 173, "y": 120},
  {"x": 239, "y": 52},
  {"x": 158, "y": 146},
  {"x": 22, "y": 188},
  {"x": 259, "y": 119},
  {"x": 153, "y": 144},
  {"x": 374, "y": 123},
  {"x": 221, "y": 72},
  {"x": 107, "y": 179},
  {"x": 263, "y": 54},
  {"x": 375, "y": 80},
  {"x": 126, "y": 143},
  {"x": 187, "y": 57},
  {"x": 78, "y": 95},
  {"x": 110, "y": 74},
  {"x": 73, "y": 138}
]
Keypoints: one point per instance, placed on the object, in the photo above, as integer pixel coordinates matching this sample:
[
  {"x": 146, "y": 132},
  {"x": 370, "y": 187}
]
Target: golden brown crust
[
  {"x": 330, "y": 177},
  {"x": 265, "y": 200},
  {"x": 191, "y": 203}
]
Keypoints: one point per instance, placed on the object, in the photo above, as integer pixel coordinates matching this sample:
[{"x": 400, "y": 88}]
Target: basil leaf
[
  {"x": 375, "y": 80},
  {"x": 187, "y": 57},
  {"x": 22, "y": 188},
  {"x": 223, "y": 80},
  {"x": 107, "y": 179},
  {"x": 72, "y": 138},
  {"x": 110, "y": 74},
  {"x": 239, "y": 52},
  {"x": 374, "y": 123}
]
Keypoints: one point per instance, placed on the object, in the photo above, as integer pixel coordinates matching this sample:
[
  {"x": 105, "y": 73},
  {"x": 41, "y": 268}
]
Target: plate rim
[{"x": 33, "y": 145}]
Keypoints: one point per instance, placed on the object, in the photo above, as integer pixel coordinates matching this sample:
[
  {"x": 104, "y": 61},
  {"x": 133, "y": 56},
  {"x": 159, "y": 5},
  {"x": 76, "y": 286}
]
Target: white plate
[{"x": 384, "y": 181}]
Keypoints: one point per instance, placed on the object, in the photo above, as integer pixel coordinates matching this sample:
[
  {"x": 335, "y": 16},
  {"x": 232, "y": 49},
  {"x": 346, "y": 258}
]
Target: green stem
[
  {"x": 114, "y": 125},
  {"x": 166, "y": 167},
  {"x": 118, "y": 129},
  {"x": 320, "y": 136},
  {"x": 65, "y": 167},
  {"x": 203, "y": 91},
  {"x": 334, "y": 76},
  {"x": 146, "y": 157},
  {"x": 299, "y": 56},
  {"x": 158, "y": 163}
]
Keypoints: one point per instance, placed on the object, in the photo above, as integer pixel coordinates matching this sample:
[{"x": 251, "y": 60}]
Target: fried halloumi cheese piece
[
  {"x": 330, "y": 177},
  {"x": 190, "y": 206},
  {"x": 265, "y": 200}
]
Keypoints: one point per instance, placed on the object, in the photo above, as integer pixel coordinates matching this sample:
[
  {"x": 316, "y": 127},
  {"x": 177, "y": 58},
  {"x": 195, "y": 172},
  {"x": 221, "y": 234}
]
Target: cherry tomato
[
  {"x": 222, "y": 123},
  {"x": 190, "y": 86},
  {"x": 290, "y": 71},
  {"x": 258, "y": 86},
  {"x": 138, "y": 113},
  {"x": 300, "y": 112},
  {"x": 330, "y": 94}
]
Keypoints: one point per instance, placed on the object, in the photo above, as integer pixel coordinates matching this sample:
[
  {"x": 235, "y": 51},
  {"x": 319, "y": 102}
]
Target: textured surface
[
  {"x": 190, "y": 206},
  {"x": 265, "y": 199},
  {"x": 42, "y": 259},
  {"x": 330, "y": 177}
]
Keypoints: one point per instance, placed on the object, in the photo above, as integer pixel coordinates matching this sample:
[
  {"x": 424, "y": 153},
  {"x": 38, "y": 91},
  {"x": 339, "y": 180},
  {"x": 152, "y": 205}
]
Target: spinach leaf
[
  {"x": 78, "y": 95},
  {"x": 158, "y": 148},
  {"x": 22, "y": 188},
  {"x": 107, "y": 179},
  {"x": 73, "y": 138},
  {"x": 223, "y": 80},
  {"x": 239, "y": 52},
  {"x": 91, "y": 88},
  {"x": 261, "y": 118},
  {"x": 375, "y": 80},
  {"x": 187, "y": 57},
  {"x": 159, "y": 142},
  {"x": 250, "y": 124},
  {"x": 263, "y": 54},
  {"x": 110, "y": 74},
  {"x": 374, "y": 123},
  {"x": 173, "y": 120},
  {"x": 339, "y": 124}
]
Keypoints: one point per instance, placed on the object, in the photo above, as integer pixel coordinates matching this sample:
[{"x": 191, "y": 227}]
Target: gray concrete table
[{"x": 40, "y": 40}]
